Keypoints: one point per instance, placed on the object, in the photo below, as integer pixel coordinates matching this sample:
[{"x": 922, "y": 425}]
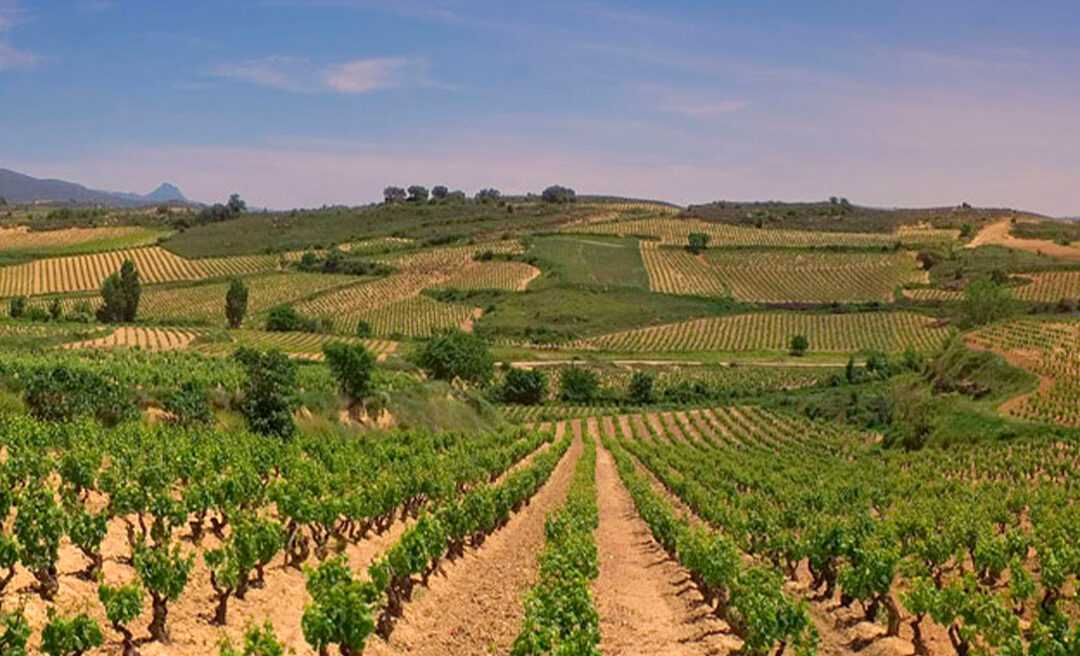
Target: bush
[
  {"x": 37, "y": 313},
  {"x": 63, "y": 393},
  {"x": 81, "y": 313},
  {"x": 457, "y": 354},
  {"x": 270, "y": 392},
  {"x": 640, "y": 391},
  {"x": 56, "y": 309},
  {"x": 64, "y": 637},
  {"x": 697, "y": 242},
  {"x": 363, "y": 329},
  {"x": 17, "y": 307},
  {"x": 525, "y": 386},
  {"x": 352, "y": 365},
  {"x": 190, "y": 406},
  {"x": 120, "y": 294},
  {"x": 578, "y": 385},
  {"x": 799, "y": 345},
  {"x": 985, "y": 301},
  {"x": 557, "y": 194},
  {"x": 285, "y": 318}
]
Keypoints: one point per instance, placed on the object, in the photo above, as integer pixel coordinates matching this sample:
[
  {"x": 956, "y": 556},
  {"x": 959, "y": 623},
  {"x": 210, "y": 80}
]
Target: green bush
[
  {"x": 270, "y": 392},
  {"x": 62, "y": 393},
  {"x": 640, "y": 391},
  {"x": 352, "y": 365},
  {"x": 64, "y": 637},
  {"x": 189, "y": 405},
  {"x": 236, "y": 303},
  {"x": 285, "y": 318},
  {"x": 578, "y": 385},
  {"x": 16, "y": 307},
  {"x": 525, "y": 386},
  {"x": 364, "y": 330},
  {"x": 457, "y": 354},
  {"x": 120, "y": 294},
  {"x": 697, "y": 242},
  {"x": 799, "y": 345}
]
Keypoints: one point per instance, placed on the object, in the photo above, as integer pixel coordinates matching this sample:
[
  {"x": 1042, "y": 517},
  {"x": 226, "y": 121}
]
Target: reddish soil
[{"x": 476, "y": 605}]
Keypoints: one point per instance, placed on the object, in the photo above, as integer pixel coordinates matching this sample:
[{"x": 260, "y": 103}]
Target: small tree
[
  {"x": 799, "y": 345},
  {"x": 270, "y": 392},
  {"x": 697, "y": 242},
  {"x": 236, "y": 303},
  {"x": 56, "y": 309},
  {"x": 123, "y": 605},
  {"x": 393, "y": 195},
  {"x": 418, "y": 194},
  {"x": 558, "y": 194},
  {"x": 488, "y": 195},
  {"x": 120, "y": 294},
  {"x": 363, "y": 329},
  {"x": 352, "y": 365},
  {"x": 164, "y": 573},
  {"x": 236, "y": 205},
  {"x": 640, "y": 391},
  {"x": 189, "y": 405},
  {"x": 285, "y": 318},
  {"x": 74, "y": 637},
  {"x": 17, "y": 307},
  {"x": 578, "y": 385},
  {"x": 525, "y": 386},
  {"x": 986, "y": 301},
  {"x": 439, "y": 192},
  {"x": 457, "y": 354}
]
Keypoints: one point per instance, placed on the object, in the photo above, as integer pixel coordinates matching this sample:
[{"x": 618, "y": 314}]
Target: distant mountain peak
[{"x": 166, "y": 192}]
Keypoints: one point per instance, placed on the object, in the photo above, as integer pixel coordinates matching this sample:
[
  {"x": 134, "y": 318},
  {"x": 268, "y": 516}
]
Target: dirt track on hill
[{"x": 998, "y": 234}]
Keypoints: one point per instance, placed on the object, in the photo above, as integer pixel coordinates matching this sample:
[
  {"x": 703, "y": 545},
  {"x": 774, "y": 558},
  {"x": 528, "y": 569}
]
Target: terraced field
[
  {"x": 306, "y": 346},
  {"x": 23, "y": 239},
  {"x": 1049, "y": 287},
  {"x": 80, "y": 273},
  {"x": 148, "y": 339},
  {"x": 675, "y": 231},
  {"x": 772, "y": 331},
  {"x": 417, "y": 316},
  {"x": 780, "y": 276},
  {"x": 505, "y": 276}
]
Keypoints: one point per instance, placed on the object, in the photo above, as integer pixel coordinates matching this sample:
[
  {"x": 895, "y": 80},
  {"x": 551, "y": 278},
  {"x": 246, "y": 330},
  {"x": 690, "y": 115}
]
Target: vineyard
[
  {"x": 674, "y": 232},
  {"x": 779, "y": 277},
  {"x": 772, "y": 331},
  {"x": 1048, "y": 287},
  {"x": 76, "y": 239},
  {"x": 505, "y": 276}
]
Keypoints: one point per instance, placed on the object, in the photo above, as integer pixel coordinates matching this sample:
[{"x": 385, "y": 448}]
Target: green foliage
[
  {"x": 352, "y": 365},
  {"x": 524, "y": 386},
  {"x": 285, "y": 318},
  {"x": 56, "y": 309},
  {"x": 985, "y": 302},
  {"x": 62, "y": 393},
  {"x": 640, "y": 390},
  {"x": 257, "y": 642},
  {"x": 236, "y": 303},
  {"x": 558, "y": 194},
  {"x": 163, "y": 573},
  {"x": 799, "y": 345},
  {"x": 270, "y": 392},
  {"x": 190, "y": 405},
  {"x": 70, "y": 637},
  {"x": 363, "y": 329},
  {"x": 17, "y": 307},
  {"x": 697, "y": 242},
  {"x": 15, "y": 635},
  {"x": 456, "y": 354},
  {"x": 417, "y": 194},
  {"x": 123, "y": 604},
  {"x": 578, "y": 385},
  {"x": 120, "y": 294},
  {"x": 340, "y": 612}
]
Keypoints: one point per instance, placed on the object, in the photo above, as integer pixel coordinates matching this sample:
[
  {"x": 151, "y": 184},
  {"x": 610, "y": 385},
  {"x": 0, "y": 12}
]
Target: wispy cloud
[
  {"x": 11, "y": 15},
  {"x": 357, "y": 76}
]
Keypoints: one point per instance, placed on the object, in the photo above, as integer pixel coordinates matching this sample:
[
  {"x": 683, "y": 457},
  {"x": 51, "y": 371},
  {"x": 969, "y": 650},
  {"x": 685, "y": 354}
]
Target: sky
[{"x": 301, "y": 103}]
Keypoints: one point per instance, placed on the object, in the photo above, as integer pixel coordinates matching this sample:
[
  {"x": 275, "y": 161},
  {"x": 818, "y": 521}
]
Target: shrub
[
  {"x": 457, "y": 354},
  {"x": 37, "y": 313},
  {"x": 257, "y": 642},
  {"x": 352, "y": 365},
  {"x": 417, "y": 194},
  {"x": 236, "y": 303},
  {"x": 525, "y": 386},
  {"x": 558, "y": 194},
  {"x": 62, "y": 393},
  {"x": 56, "y": 309},
  {"x": 697, "y": 242},
  {"x": 64, "y": 637},
  {"x": 285, "y": 318},
  {"x": 363, "y": 329},
  {"x": 120, "y": 294},
  {"x": 799, "y": 345},
  {"x": 578, "y": 385},
  {"x": 17, "y": 307},
  {"x": 640, "y": 391},
  {"x": 189, "y": 405},
  {"x": 270, "y": 392}
]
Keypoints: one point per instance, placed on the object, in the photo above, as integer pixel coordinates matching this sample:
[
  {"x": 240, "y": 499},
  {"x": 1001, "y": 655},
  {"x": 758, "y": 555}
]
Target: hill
[{"x": 18, "y": 188}]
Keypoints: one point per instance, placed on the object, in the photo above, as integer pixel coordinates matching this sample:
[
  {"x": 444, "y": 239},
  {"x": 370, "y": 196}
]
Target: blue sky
[{"x": 306, "y": 102}]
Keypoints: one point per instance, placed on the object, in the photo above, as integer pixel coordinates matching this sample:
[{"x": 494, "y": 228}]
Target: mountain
[{"x": 17, "y": 188}]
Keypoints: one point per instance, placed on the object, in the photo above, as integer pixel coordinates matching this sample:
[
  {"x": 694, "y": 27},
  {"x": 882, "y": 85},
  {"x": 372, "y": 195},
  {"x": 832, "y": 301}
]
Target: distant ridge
[{"x": 17, "y": 188}]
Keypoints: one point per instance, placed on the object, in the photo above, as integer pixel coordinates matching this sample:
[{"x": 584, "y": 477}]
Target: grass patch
[{"x": 602, "y": 261}]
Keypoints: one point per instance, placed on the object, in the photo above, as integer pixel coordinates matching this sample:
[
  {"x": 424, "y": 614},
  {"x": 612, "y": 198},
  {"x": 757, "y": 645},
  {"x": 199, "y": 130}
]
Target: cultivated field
[
  {"x": 76, "y": 239},
  {"x": 772, "y": 331}
]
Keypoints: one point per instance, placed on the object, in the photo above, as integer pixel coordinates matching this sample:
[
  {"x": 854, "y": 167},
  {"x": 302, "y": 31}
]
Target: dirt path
[
  {"x": 475, "y": 606},
  {"x": 998, "y": 233},
  {"x": 646, "y": 602}
]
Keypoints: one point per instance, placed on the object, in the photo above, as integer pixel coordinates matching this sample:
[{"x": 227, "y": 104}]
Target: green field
[{"x": 607, "y": 262}]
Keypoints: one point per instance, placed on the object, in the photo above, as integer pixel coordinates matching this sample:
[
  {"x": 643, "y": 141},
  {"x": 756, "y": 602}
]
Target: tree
[
  {"x": 17, "y": 307},
  {"x": 56, "y": 309},
  {"x": 578, "y": 385},
  {"x": 352, "y": 365},
  {"x": 120, "y": 295},
  {"x": 640, "y": 391},
  {"x": 189, "y": 405},
  {"x": 439, "y": 192},
  {"x": 457, "y": 354},
  {"x": 799, "y": 345},
  {"x": 697, "y": 242},
  {"x": 285, "y": 318},
  {"x": 525, "y": 386},
  {"x": 488, "y": 195},
  {"x": 164, "y": 573},
  {"x": 418, "y": 194},
  {"x": 123, "y": 605},
  {"x": 393, "y": 195},
  {"x": 74, "y": 637},
  {"x": 236, "y": 205},
  {"x": 558, "y": 194},
  {"x": 270, "y": 392},
  {"x": 985, "y": 301},
  {"x": 236, "y": 303}
]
